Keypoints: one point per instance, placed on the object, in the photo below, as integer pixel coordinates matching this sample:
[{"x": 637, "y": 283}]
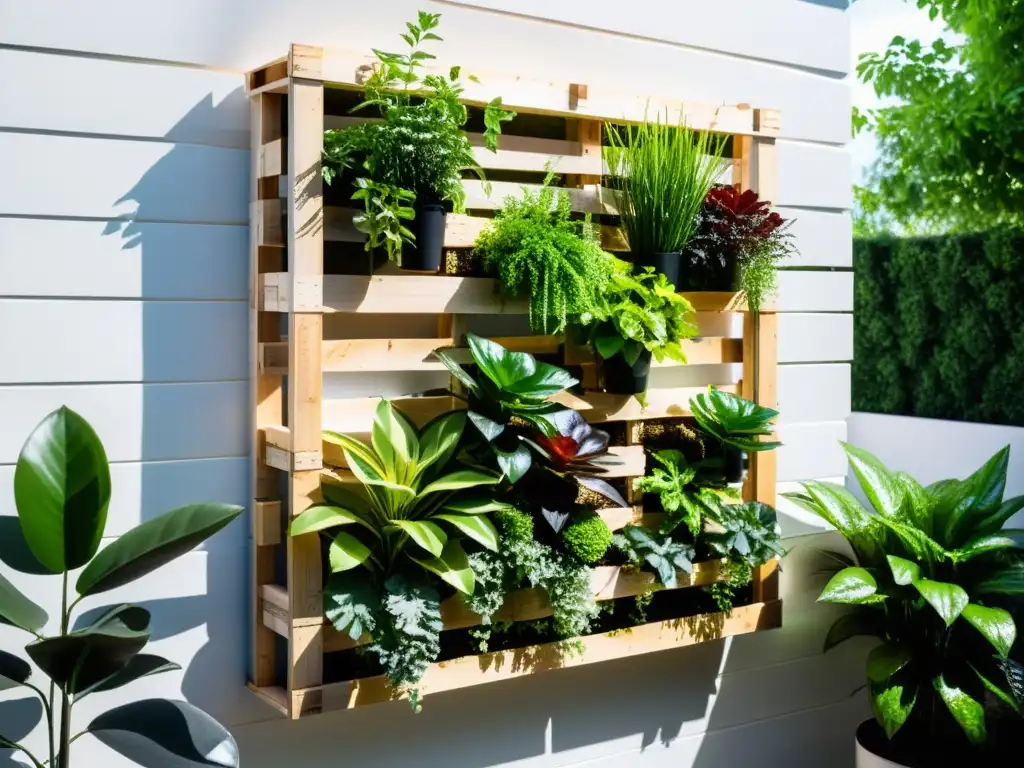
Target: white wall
[{"x": 123, "y": 279}]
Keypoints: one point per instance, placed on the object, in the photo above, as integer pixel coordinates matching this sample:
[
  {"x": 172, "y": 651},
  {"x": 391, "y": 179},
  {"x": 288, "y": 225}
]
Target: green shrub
[
  {"x": 514, "y": 524},
  {"x": 588, "y": 538},
  {"x": 939, "y": 327}
]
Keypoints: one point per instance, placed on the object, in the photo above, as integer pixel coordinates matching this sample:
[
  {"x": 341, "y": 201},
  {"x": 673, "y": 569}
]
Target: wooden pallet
[{"x": 291, "y": 295}]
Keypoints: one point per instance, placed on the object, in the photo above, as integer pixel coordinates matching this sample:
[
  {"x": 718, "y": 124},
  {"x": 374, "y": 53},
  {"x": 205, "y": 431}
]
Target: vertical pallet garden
[{"x": 303, "y": 310}]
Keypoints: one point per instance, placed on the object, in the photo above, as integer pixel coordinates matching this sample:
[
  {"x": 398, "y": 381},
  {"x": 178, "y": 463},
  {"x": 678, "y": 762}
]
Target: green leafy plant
[
  {"x": 509, "y": 393},
  {"x": 930, "y": 569},
  {"x": 689, "y": 493},
  {"x": 665, "y": 556},
  {"x": 661, "y": 173},
  {"x": 537, "y": 249},
  {"x": 62, "y": 492},
  {"x": 638, "y": 312},
  {"x": 733, "y": 420},
  {"x": 588, "y": 538},
  {"x": 419, "y": 150},
  {"x": 751, "y": 535}
]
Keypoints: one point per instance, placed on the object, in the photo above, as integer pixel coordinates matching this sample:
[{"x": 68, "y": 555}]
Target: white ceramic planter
[{"x": 868, "y": 759}]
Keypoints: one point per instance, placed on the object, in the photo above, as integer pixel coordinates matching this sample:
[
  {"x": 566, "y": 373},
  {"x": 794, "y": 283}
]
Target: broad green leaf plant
[
  {"x": 62, "y": 490},
  {"x": 931, "y": 572},
  {"x": 734, "y": 421}
]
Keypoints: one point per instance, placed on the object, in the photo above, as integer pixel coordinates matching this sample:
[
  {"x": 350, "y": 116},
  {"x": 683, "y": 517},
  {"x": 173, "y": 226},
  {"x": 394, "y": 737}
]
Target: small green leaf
[
  {"x": 904, "y": 572},
  {"x": 474, "y": 505},
  {"x": 13, "y": 671},
  {"x": 1005, "y": 697},
  {"x": 452, "y": 566},
  {"x": 477, "y": 527},
  {"x": 965, "y": 710},
  {"x": 17, "y": 610},
  {"x": 892, "y": 704},
  {"x": 321, "y": 516},
  {"x": 347, "y": 552},
  {"x": 428, "y": 535},
  {"x": 154, "y": 544},
  {"x": 489, "y": 428},
  {"x": 948, "y": 600},
  {"x": 514, "y": 464},
  {"x": 853, "y": 586},
  {"x": 995, "y": 624},
  {"x": 461, "y": 479},
  {"x": 886, "y": 660}
]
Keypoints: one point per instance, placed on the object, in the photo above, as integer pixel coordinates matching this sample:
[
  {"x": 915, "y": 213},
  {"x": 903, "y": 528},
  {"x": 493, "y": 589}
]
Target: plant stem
[{"x": 64, "y": 756}]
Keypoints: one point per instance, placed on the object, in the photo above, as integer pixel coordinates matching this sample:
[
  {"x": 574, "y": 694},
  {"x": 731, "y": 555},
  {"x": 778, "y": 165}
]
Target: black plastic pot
[
  {"x": 702, "y": 274},
  {"x": 665, "y": 263},
  {"x": 621, "y": 378},
  {"x": 734, "y": 460},
  {"x": 428, "y": 227}
]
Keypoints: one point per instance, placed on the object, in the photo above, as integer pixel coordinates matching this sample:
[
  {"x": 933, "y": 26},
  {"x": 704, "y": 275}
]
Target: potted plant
[
  {"x": 930, "y": 576},
  {"x": 536, "y": 248},
  {"x": 735, "y": 422},
  {"x": 637, "y": 317},
  {"x": 737, "y": 245},
  {"x": 414, "y": 157},
  {"x": 661, "y": 174},
  {"x": 62, "y": 490}
]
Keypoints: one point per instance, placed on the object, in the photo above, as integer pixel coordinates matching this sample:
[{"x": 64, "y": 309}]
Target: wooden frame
[{"x": 291, "y": 295}]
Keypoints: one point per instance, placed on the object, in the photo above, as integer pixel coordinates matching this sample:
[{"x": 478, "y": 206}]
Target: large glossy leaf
[
  {"x": 394, "y": 439},
  {"x": 177, "y": 727},
  {"x": 13, "y": 671},
  {"x": 154, "y": 544},
  {"x": 514, "y": 464},
  {"x": 439, "y": 440},
  {"x": 458, "y": 371},
  {"x": 994, "y": 689},
  {"x": 62, "y": 490},
  {"x": 838, "y": 507},
  {"x": 489, "y": 429},
  {"x": 886, "y": 660},
  {"x": 984, "y": 495},
  {"x": 351, "y": 602},
  {"x": 474, "y": 505},
  {"x": 320, "y": 517},
  {"x": 1005, "y": 581},
  {"x": 917, "y": 542},
  {"x": 853, "y": 624},
  {"x": 428, "y": 535},
  {"x": 882, "y": 489},
  {"x": 904, "y": 572},
  {"x": 17, "y": 610},
  {"x": 851, "y": 586},
  {"x": 93, "y": 653},
  {"x": 892, "y": 702},
  {"x": 140, "y": 666},
  {"x": 981, "y": 545},
  {"x": 995, "y": 624},
  {"x": 968, "y": 712},
  {"x": 461, "y": 479},
  {"x": 995, "y": 520},
  {"x": 477, "y": 527},
  {"x": 545, "y": 381},
  {"x": 916, "y": 503},
  {"x": 497, "y": 363},
  {"x": 346, "y": 551},
  {"x": 352, "y": 447},
  {"x": 452, "y": 566},
  {"x": 948, "y": 600}
]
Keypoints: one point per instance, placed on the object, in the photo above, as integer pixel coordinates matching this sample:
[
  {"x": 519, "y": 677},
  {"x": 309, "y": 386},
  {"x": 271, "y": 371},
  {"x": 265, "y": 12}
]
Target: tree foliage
[{"x": 951, "y": 131}]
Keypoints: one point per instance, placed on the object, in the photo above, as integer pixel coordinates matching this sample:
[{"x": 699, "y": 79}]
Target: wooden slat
[
  {"x": 505, "y": 665},
  {"x": 708, "y": 351},
  {"x": 661, "y": 403},
  {"x": 267, "y": 523},
  {"x": 273, "y": 157},
  {"x": 349, "y": 70},
  {"x": 271, "y": 695}
]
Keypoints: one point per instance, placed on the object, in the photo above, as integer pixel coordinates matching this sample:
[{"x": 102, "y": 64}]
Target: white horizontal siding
[
  {"x": 814, "y": 175},
  {"x": 815, "y": 338},
  {"x": 107, "y": 178},
  {"x": 811, "y": 451},
  {"x": 769, "y": 29},
  {"x": 192, "y": 106},
  {"x": 822, "y": 238},
  {"x": 814, "y": 291},
  {"x": 44, "y": 257},
  {"x": 102, "y": 341},
  {"x": 810, "y": 393}
]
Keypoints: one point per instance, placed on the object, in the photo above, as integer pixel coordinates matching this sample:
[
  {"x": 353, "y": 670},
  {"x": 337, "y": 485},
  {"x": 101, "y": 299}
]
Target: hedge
[{"x": 939, "y": 327}]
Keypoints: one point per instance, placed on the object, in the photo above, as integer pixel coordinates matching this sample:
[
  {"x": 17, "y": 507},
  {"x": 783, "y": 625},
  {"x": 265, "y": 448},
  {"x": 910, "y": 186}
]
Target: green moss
[
  {"x": 588, "y": 539},
  {"x": 938, "y": 327},
  {"x": 514, "y": 524}
]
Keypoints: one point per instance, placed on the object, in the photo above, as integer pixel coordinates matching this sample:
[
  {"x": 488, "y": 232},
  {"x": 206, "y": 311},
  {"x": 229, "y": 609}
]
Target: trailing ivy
[{"x": 939, "y": 327}]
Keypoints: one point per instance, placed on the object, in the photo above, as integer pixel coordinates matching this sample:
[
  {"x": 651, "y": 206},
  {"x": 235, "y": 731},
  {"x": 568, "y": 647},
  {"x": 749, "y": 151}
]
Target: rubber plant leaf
[
  {"x": 62, "y": 491},
  {"x": 177, "y": 727},
  {"x": 17, "y": 610},
  {"x": 153, "y": 544}
]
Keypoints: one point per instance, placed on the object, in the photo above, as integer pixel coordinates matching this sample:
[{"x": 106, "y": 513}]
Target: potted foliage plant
[
  {"x": 62, "y": 491},
  {"x": 735, "y": 422},
  {"x": 737, "y": 245},
  {"x": 661, "y": 174},
  {"x": 932, "y": 574},
  {"x": 411, "y": 160},
  {"x": 637, "y": 317},
  {"x": 536, "y": 248}
]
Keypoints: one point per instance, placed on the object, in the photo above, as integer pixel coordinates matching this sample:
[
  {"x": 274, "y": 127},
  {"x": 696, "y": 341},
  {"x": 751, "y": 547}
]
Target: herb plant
[
  {"x": 419, "y": 150},
  {"x": 62, "y": 490},
  {"x": 689, "y": 493},
  {"x": 536, "y": 249},
  {"x": 660, "y": 551},
  {"x": 738, "y": 235},
  {"x": 734, "y": 420},
  {"x": 662, "y": 174},
  {"x": 750, "y": 534},
  {"x": 588, "y": 538},
  {"x": 637, "y": 313},
  {"x": 930, "y": 570}
]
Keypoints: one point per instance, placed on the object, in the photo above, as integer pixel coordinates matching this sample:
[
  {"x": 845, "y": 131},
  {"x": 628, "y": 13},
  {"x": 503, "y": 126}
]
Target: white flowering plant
[{"x": 419, "y": 148}]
